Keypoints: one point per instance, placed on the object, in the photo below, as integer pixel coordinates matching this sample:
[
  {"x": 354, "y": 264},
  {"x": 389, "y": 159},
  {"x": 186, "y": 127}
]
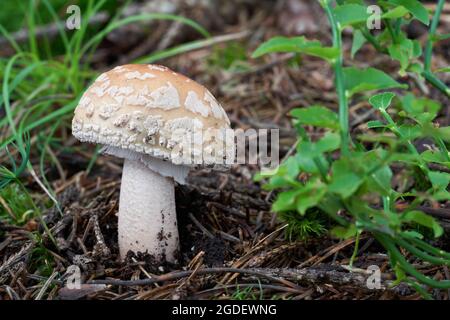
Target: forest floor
[{"x": 232, "y": 245}]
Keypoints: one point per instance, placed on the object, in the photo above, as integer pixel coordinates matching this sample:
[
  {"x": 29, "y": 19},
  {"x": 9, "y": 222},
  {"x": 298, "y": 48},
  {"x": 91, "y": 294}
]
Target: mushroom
[{"x": 162, "y": 124}]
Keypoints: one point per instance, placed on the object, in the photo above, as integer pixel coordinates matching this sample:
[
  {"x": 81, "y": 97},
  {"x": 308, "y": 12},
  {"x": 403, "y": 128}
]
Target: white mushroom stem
[{"x": 147, "y": 214}]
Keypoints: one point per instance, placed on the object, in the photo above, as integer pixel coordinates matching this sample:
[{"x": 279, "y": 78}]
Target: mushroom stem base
[{"x": 147, "y": 214}]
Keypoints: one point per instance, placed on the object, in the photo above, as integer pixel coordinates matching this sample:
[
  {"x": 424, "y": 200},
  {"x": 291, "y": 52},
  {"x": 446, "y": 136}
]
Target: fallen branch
[{"x": 287, "y": 276}]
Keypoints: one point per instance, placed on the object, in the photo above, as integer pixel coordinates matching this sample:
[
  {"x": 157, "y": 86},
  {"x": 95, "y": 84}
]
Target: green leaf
[
  {"x": 446, "y": 69},
  {"x": 382, "y": 100},
  {"x": 409, "y": 158},
  {"x": 344, "y": 180},
  {"x": 441, "y": 195},
  {"x": 311, "y": 155},
  {"x": 293, "y": 169},
  {"x": 276, "y": 182},
  {"x": 375, "y": 167},
  {"x": 375, "y": 124},
  {"x": 285, "y": 201},
  {"x": 444, "y": 133},
  {"x": 422, "y": 110},
  {"x": 397, "y": 12},
  {"x": 296, "y": 44},
  {"x": 415, "y": 67},
  {"x": 301, "y": 198},
  {"x": 359, "y": 80},
  {"x": 380, "y": 180},
  {"x": 441, "y": 37},
  {"x": 358, "y": 42},
  {"x": 439, "y": 180},
  {"x": 305, "y": 159},
  {"x": 317, "y": 116},
  {"x": 400, "y": 274},
  {"x": 330, "y": 204},
  {"x": 415, "y": 105},
  {"x": 404, "y": 52},
  {"x": 417, "y": 49},
  {"x": 396, "y": 53},
  {"x": 437, "y": 157},
  {"x": 259, "y": 176},
  {"x": 310, "y": 195},
  {"x": 416, "y": 8},
  {"x": 308, "y": 154},
  {"x": 344, "y": 232},
  {"x": 330, "y": 142},
  {"x": 350, "y": 14},
  {"x": 423, "y": 219},
  {"x": 413, "y": 234},
  {"x": 410, "y": 132}
]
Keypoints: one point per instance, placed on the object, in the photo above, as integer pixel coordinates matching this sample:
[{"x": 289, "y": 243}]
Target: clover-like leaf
[{"x": 382, "y": 101}]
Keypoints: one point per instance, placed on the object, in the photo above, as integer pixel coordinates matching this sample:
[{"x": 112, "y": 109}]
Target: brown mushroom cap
[{"x": 149, "y": 109}]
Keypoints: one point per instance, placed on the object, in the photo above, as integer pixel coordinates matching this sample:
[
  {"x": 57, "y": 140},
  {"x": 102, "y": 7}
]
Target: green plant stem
[
  {"x": 406, "y": 266},
  {"x": 339, "y": 77},
  {"x": 442, "y": 37},
  {"x": 398, "y": 25},
  {"x": 391, "y": 31},
  {"x": 427, "y": 73},
  {"x": 355, "y": 250},
  {"x": 425, "y": 246},
  {"x": 436, "y": 82},
  {"x": 423, "y": 255},
  {"x": 372, "y": 40},
  {"x": 387, "y": 204},
  {"x": 419, "y": 289},
  {"x": 443, "y": 148},
  {"x": 431, "y": 34}
]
